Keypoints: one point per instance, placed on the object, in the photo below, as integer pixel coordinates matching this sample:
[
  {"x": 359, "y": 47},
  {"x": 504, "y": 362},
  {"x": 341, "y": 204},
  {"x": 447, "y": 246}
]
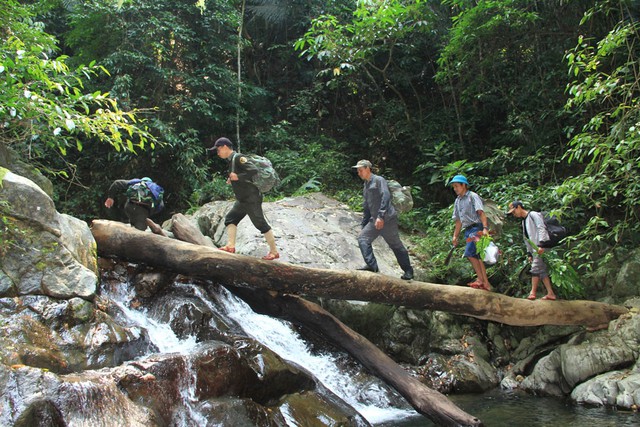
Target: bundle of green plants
[{"x": 563, "y": 276}]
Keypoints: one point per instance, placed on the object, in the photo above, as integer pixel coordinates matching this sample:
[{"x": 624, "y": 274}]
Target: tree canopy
[{"x": 532, "y": 100}]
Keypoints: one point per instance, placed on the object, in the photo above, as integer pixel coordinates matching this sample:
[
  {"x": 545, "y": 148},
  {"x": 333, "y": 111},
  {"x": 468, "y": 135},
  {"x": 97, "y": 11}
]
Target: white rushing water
[
  {"x": 372, "y": 403},
  {"x": 160, "y": 334}
]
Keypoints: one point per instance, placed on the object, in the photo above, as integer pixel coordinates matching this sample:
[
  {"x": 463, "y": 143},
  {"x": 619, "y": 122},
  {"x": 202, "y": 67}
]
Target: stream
[{"x": 380, "y": 405}]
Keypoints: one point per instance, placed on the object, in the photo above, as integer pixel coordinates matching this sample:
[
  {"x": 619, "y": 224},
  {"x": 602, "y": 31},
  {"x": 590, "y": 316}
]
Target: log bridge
[{"x": 277, "y": 288}]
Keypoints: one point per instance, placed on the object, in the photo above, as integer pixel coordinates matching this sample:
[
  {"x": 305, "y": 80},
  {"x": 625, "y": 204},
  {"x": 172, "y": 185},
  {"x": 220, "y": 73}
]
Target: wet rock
[
  {"x": 547, "y": 378},
  {"x": 63, "y": 264},
  {"x": 238, "y": 412},
  {"x": 149, "y": 283},
  {"x": 65, "y": 335},
  {"x": 581, "y": 362},
  {"x": 187, "y": 315},
  {"x": 619, "y": 389},
  {"x": 311, "y": 408},
  {"x": 626, "y": 282},
  {"x": 276, "y": 377},
  {"x": 458, "y": 374},
  {"x": 42, "y": 413}
]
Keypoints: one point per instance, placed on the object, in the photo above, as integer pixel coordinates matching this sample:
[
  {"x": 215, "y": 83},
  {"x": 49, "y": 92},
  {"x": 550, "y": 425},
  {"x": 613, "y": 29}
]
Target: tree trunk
[
  {"x": 430, "y": 403},
  {"x": 121, "y": 240},
  {"x": 426, "y": 401}
]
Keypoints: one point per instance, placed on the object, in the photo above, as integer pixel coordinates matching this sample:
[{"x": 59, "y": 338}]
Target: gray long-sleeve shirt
[
  {"x": 377, "y": 200},
  {"x": 533, "y": 227}
]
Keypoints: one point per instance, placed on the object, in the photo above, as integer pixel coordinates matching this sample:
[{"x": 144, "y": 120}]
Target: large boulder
[
  {"x": 311, "y": 230},
  {"x": 42, "y": 252},
  {"x": 626, "y": 283},
  {"x": 65, "y": 336}
]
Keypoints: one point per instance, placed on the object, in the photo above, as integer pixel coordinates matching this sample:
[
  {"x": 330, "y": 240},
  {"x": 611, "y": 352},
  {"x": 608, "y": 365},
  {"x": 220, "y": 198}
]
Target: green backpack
[
  {"x": 266, "y": 178},
  {"x": 400, "y": 196},
  {"x": 146, "y": 192},
  {"x": 495, "y": 216}
]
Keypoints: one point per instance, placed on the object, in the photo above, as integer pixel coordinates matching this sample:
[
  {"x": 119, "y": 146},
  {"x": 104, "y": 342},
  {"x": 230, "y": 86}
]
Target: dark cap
[
  {"x": 514, "y": 205},
  {"x": 220, "y": 142}
]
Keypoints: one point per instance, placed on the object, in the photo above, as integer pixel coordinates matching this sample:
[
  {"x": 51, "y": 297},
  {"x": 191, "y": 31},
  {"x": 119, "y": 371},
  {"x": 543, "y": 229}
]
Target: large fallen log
[
  {"x": 117, "y": 239},
  {"x": 426, "y": 401},
  {"x": 430, "y": 403}
]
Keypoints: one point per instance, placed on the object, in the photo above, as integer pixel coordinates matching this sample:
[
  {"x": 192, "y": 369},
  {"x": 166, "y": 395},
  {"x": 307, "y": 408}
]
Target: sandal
[
  {"x": 228, "y": 249},
  {"x": 271, "y": 256},
  {"x": 548, "y": 298},
  {"x": 476, "y": 285},
  {"x": 531, "y": 297}
]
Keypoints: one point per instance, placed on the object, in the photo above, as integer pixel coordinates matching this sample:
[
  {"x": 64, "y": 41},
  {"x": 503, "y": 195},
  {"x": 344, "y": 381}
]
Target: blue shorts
[{"x": 470, "y": 249}]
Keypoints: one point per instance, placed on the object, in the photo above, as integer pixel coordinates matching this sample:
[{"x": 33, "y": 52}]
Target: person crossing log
[{"x": 117, "y": 239}]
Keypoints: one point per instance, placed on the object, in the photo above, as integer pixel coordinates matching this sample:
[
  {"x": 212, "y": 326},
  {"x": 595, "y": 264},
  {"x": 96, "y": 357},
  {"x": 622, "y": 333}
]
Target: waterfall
[
  {"x": 160, "y": 334},
  {"x": 373, "y": 402},
  {"x": 365, "y": 393}
]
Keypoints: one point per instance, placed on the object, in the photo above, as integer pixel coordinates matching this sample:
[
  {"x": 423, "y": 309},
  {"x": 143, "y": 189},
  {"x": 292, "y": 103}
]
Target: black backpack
[{"x": 556, "y": 231}]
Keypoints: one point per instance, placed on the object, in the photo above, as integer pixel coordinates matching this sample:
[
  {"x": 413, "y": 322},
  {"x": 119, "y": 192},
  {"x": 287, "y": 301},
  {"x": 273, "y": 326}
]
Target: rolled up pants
[{"x": 391, "y": 235}]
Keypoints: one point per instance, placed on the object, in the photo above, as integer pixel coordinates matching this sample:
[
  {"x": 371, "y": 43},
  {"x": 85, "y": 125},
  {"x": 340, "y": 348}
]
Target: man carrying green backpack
[
  {"x": 244, "y": 179},
  {"x": 142, "y": 198}
]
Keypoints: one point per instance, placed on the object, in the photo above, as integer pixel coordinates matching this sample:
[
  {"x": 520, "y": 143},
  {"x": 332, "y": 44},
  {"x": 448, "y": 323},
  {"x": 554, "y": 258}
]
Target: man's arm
[
  {"x": 385, "y": 198},
  {"x": 117, "y": 188},
  {"x": 245, "y": 168},
  {"x": 456, "y": 232}
]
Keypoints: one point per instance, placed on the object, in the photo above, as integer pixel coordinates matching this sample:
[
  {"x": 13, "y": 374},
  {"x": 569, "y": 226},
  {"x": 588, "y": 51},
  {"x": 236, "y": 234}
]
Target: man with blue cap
[{"x": 468, "y": 213}]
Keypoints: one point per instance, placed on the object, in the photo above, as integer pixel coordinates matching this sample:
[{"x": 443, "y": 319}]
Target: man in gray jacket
[
  {"x": 379, "y": 219},
  {"x": 533, "y": 229}
]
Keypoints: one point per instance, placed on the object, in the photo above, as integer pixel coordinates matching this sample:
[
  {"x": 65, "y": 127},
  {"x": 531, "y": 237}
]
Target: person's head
[
  {"x": 223, "y": 147},
  {"x": 516, "y": 208},
  {"x": 364, "y": 169},
  {"x": 460, "y": 184}
]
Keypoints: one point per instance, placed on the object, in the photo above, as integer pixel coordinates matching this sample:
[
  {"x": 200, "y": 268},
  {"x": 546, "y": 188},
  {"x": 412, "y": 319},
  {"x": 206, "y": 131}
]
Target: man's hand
[
  {"x": 109, "y": 202},
  {"x": 379, "y": 223},
  {"x": 233, "y": 176}
]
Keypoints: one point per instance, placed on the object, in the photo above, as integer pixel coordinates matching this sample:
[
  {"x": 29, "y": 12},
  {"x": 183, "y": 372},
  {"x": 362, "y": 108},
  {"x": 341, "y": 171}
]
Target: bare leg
[
  {"x": 232, "y": 229},
  {"x": 547, "y": 284},
  {"x": 481, "y": 272},
  {"x": 271, "y": 241},
  {"x": 534, "y": 285},
  {"x": 155, "y": 228}
]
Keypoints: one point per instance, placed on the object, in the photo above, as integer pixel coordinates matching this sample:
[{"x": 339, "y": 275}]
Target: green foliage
[
  {"x": 482, "y": 244},
  {"x": 214, "y": 189},
  {"x": 563, "y": 276},
  {"x": 605, "y": 92},
  {"x": 44, "y": 103}
]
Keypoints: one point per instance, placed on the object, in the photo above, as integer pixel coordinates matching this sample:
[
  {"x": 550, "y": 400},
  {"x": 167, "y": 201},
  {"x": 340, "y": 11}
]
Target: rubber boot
[
  {"x": 402, "y": 256},
  {"x": 367, "y": 253}
]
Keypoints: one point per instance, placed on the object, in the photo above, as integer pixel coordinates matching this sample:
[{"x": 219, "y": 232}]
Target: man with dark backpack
[
  {"x": 142, "y": 198},
  {"x": 534, "y": 230},
  {"x": 242, "y": 172}
]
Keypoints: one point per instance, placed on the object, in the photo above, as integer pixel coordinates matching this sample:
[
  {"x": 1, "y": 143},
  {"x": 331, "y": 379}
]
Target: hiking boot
[
  {"x": 368, "y": 268},
  {"x": 408, "y": 275}
]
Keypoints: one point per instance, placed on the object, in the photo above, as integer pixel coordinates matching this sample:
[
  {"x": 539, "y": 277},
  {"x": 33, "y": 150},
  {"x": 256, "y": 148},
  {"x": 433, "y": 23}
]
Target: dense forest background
[{"x": 531, "y": 100}]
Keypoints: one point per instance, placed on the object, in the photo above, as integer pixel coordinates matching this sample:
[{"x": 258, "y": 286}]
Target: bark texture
[{"x": 120, "y": 240}]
